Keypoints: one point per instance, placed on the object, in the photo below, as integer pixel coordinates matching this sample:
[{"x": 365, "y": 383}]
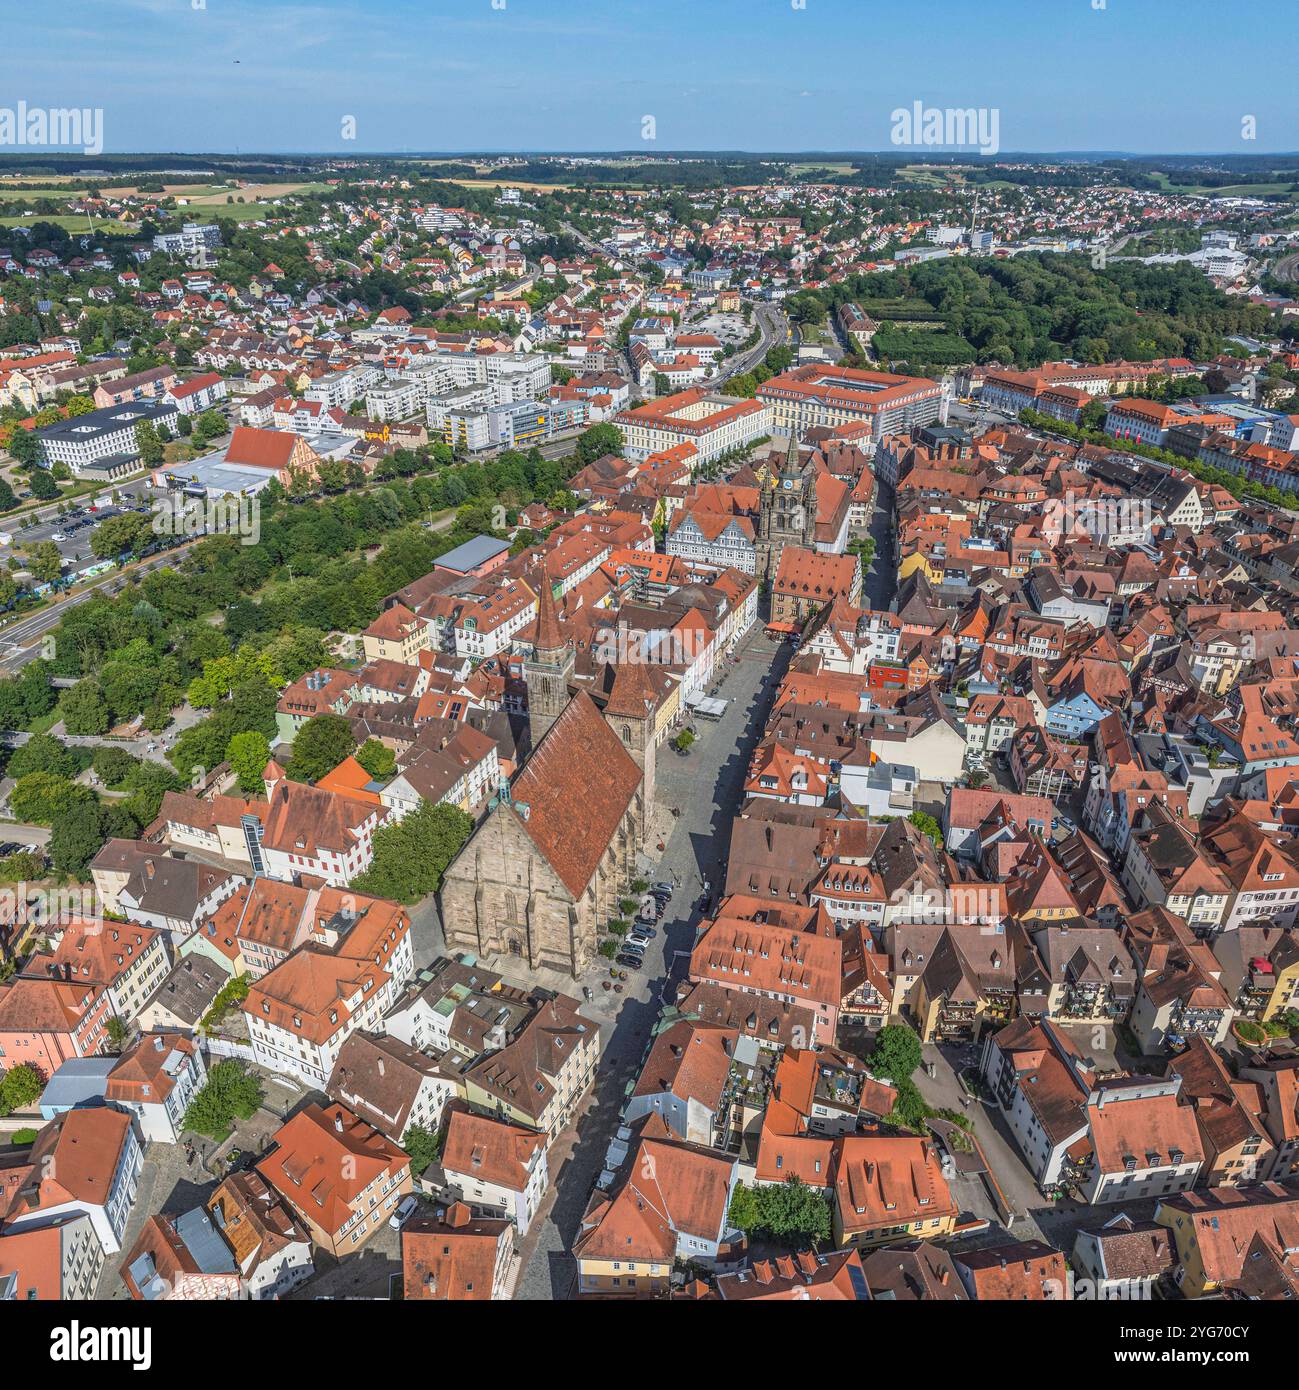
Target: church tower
[
  {"x": 630, "y": 710},
  {"x": 787, "y": 509},
  {"x": 550, "y": 668}
]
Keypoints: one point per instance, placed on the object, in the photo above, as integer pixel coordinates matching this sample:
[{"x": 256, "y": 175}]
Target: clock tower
[{"x": 786, "y": 509}]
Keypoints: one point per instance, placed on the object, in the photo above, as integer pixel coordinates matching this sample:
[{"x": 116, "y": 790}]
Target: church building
[{"x": 544, "y": 871}]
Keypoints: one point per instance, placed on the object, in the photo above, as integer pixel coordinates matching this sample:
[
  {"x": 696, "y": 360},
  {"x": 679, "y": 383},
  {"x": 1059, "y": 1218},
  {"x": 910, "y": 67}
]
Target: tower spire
[{"x": 549, "y": 637}]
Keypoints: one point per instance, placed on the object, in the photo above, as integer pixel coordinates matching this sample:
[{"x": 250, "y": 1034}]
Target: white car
[{"x": 407, "y": 1209}]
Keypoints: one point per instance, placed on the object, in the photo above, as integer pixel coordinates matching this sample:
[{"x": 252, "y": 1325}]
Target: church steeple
[
  {"x": 550, "y": 638},
  {"x": 550, "y": 668}
]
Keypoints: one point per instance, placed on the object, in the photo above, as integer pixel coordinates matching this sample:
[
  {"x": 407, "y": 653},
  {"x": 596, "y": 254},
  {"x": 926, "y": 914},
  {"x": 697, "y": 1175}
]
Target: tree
[
  {"x": 744, "y": 1213},
  {"x": 78, "y": 835},
  {"x": 20, "y": 1087},
  {"x": 84, "y": 708},
  {"x": 377, "y": 759},
  {"x": 45, "y": 753},
  {"x": 209, "y": 425},
  {"x": 422, "y": 1147},
  {"x": 43, "y": 798},
  {"x": 320, "y": 745},
  {"x": 597, "y": 441},
  {"x": 248, "y": 753},
  {"x": 792, "y": 1209},
  {"x": 789, "y": 1211},
  {"x": 118, "y": 1031},
  {"x": 113, "y": 765},
  {"x": 927, "y": 825},
  {"x": 229, "y": 1093},
  {"x": 45, "y": 562},
  {"x": 149, "y": 444},
  {"x": 897, "y": 1052},
  {"x": 25, "y": 447},
  {"x": 683, "y": 741},
  {"x": 411, "y": 856},
  {"x": 127, "y": 534}
]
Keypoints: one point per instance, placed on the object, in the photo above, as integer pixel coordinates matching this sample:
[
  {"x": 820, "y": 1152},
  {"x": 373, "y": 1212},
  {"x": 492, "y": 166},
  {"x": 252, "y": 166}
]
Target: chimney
[{"x": 338, "y": 1122}]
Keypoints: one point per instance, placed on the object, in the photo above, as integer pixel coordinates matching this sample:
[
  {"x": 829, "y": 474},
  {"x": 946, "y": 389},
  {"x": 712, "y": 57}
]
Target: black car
[{"x": 632, "y": 962}]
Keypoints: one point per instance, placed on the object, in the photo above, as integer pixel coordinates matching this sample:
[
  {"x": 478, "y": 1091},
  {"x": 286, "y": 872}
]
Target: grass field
[
  {"x": 813, "y": 168},
  {"x": 1230, "y": 190},
  {"x": 75, "y": 225}
]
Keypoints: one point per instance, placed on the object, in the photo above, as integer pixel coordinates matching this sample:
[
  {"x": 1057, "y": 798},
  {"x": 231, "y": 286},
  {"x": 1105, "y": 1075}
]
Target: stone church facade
[{"x": 544, "y": 871}]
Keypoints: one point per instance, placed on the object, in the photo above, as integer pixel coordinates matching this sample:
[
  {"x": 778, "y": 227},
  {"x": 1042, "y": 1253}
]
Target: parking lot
[{"x": 730, "y": 328}]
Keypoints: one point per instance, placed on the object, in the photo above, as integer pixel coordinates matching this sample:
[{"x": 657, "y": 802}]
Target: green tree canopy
[
  {"x": 411, "y": 856},
  {"x": 320, "y": 745},
  {"x": 229, "y": 1093},
  {"x": 897, "y": 1052},
  {"x": 248, "y": 753}
]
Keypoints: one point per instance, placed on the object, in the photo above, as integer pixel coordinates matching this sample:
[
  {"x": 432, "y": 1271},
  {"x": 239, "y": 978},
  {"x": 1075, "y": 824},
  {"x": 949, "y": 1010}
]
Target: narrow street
[
  {"x": 879, "y": 583},
  {"x": 694, "y": 855}
]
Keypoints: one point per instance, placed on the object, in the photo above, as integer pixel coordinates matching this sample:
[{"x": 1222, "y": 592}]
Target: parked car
[
  {"x": 637, "y": 943},
  {"x": 409, "y": 1206},
  {"x": 631, "y": 959},
  {"x": 640, "y": 927},
  {"x": 661, "y": 890}
]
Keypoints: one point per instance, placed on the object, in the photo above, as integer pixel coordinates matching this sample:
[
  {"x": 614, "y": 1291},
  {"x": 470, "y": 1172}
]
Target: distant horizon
[
  {"x": 918, "y": 157},
  {"x": 774, "y": 76}
]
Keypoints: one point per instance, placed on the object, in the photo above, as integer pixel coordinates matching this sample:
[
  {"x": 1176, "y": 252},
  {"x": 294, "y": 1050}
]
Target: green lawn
[{"x": 75, "y": 225}]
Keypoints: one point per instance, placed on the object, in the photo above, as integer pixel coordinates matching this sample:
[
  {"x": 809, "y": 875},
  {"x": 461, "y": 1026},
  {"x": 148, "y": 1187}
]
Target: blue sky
[{"x": 1169, "y": 76}]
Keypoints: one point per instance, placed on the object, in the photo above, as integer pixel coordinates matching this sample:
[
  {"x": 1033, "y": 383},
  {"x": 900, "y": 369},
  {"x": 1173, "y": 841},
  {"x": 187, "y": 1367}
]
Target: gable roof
[{"x": 576, "y": 788}]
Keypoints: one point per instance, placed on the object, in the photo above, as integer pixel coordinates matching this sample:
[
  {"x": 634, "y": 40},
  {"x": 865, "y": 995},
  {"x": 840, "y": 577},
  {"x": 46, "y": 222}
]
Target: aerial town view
[{"x": 649, "y": 652}]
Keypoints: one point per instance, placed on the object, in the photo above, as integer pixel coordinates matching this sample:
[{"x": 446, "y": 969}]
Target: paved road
[
  {"x": 20, "y": 638},
  {"x": 880, "y": 582},
  {"x": 772, "y": 328},
  {"x": 694, "y": 854}
]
